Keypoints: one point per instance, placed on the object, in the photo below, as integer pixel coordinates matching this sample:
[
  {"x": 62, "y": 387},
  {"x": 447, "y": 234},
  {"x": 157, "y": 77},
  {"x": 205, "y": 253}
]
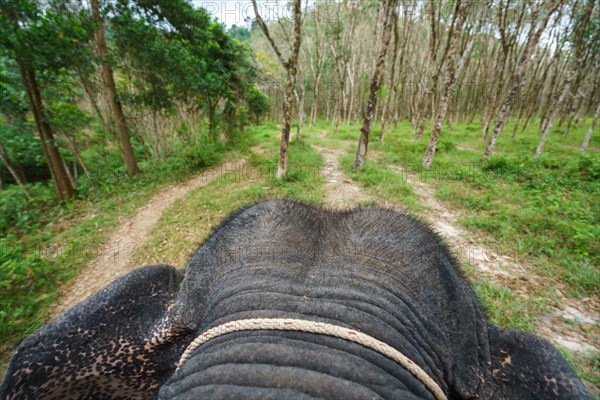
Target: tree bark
[
  {"x": 291, "y": 68},
  {"x": 111, "y": 91},
  {"x": 390, "y": 96},
  {"x": 316, "y": 66},
  {"x": 60, "y": 175},
  {"x": 575, "y": 63},
  {"x": 450, "y": 77},
  {"x": 300, "y": 98},
  {"x": 518, "y": 76},
  {"x": 87, "y": 87},
  {"x": 341, "y": 61},
  {"x": 376, "y": 81},
  {"x": 588, "y": 135}
]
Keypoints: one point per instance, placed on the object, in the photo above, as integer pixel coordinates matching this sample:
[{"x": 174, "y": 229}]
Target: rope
[{"x": 282, "y": 324}]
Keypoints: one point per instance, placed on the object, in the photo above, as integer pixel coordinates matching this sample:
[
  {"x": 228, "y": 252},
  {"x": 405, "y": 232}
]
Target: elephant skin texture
[{"x": 374, "y": 270}]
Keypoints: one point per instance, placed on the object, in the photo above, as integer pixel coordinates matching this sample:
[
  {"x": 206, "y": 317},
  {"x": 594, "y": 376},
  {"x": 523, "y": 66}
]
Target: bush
[
  {"x": 16, "y": 211},
  {"x": 258, "y": 103},
  {"x": 446, "y": 146},
  {"x": 498, "y": 164},
  {"x": 589, "y": 168}
]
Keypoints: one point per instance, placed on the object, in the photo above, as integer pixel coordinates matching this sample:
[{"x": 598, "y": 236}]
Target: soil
[
  {"x": 115, "y": 258},
  {"x": 340, "y": 192}
]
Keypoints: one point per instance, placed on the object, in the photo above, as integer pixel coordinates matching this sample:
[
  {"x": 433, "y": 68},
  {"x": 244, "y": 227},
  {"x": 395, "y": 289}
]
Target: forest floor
[
  {"x": 562, "y": 326},
  {"x": 340, "y": 191}
]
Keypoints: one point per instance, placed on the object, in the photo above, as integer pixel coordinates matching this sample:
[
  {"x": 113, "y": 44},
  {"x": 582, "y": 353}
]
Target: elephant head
[{"x": 374, "y": 271}]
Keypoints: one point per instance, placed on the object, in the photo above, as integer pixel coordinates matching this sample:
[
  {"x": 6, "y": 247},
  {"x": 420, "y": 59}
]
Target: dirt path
[
  {"x": 465, "y": 244},
  {"x": 340, "y": 192},
  {"x": 562, "y": 326},
  {"x": 114, "y": 259}
]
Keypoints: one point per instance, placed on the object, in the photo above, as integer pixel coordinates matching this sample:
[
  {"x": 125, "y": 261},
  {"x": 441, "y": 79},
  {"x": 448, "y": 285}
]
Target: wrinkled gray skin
[{"x": 374, "y": 270}]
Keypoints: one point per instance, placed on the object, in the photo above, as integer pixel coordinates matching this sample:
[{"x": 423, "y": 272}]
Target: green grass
[
  {"x": 45, "y": 244},
  {"x": 385, "y": 185},
  {"x": 504, "y": 308},
  {"x": 591, "y": 374},
  {"x": 304, "y": 177},
  {"x": 546, "y": 209}
]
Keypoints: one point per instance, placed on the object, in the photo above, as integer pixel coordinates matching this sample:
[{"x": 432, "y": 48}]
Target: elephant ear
[
  {"x": 525, "y": 366},
  {"x": 119, "y": 343}
]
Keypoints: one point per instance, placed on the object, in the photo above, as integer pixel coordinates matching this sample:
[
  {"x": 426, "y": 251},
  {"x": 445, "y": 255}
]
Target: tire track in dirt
[
  {"x": 340, "y": 191},
  {"x": 115, "y": 255}
]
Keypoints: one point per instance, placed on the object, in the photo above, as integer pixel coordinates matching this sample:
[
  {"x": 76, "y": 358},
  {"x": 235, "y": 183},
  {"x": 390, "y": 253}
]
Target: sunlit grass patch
[
  {"x": 543, "y": 210},
  {"x": 384, "y": 184}
]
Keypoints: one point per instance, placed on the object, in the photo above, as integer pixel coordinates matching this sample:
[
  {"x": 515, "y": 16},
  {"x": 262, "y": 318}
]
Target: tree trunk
[
  {"x": 516, "y": 126},
  {"x": 569, "y": 122},
  {"x": 13, "y": 172},
  {"x": 314, "y": 109},
  {"x": 91, "y": 95},
  {"x": 211, "y": 121},
  {"x": 73, "y": 145},
  {"x": 291, "y": 68},
  {"x": 300, "y": 112},
  {"x": 588, "y": 135},
  {"x": 517, "y": 78},
  {"x": 389, "y": 97},
  {"x": 158, "y": 153},
  {"x": 316, "y": 64},
  {"x": 60, "y": 175},
  {"x": 376, "y": 81},
  {"x": 450, "y": 77},
  {"x": 111, "y": 91},
  {"x": 576, "y": 63}
]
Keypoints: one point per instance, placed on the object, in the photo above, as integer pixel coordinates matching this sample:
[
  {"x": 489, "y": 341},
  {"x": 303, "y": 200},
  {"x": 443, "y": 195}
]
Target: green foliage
[
  {"x": 179, "y": 54},
  {"x": 45, "y": 38},
  {"x": 67, "y": 118},
  {"x": 23, "y": 149},
  {"x": 588, "y": 167},
  {"x": 239, "y": 33},
  {"x": 18, "y": 213},
  {"x": 545, "y": 207},
  {"x": 543, "y": 212},
  {"x": 44, "y": 244},
  {"x": 258, "y": 102}
]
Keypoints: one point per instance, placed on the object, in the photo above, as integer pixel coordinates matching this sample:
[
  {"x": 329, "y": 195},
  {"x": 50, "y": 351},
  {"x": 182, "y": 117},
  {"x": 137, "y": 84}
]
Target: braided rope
[{"x": 282, "y": 324}]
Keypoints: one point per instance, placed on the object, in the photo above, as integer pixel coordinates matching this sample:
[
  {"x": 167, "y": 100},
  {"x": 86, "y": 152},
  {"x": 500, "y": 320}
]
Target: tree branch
[{"x": 265, "y": 30}]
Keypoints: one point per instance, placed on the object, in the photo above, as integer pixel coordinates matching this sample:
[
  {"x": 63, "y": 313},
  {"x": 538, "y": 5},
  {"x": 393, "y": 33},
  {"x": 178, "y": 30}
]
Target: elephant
[{"x": 379, "y": 272}]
